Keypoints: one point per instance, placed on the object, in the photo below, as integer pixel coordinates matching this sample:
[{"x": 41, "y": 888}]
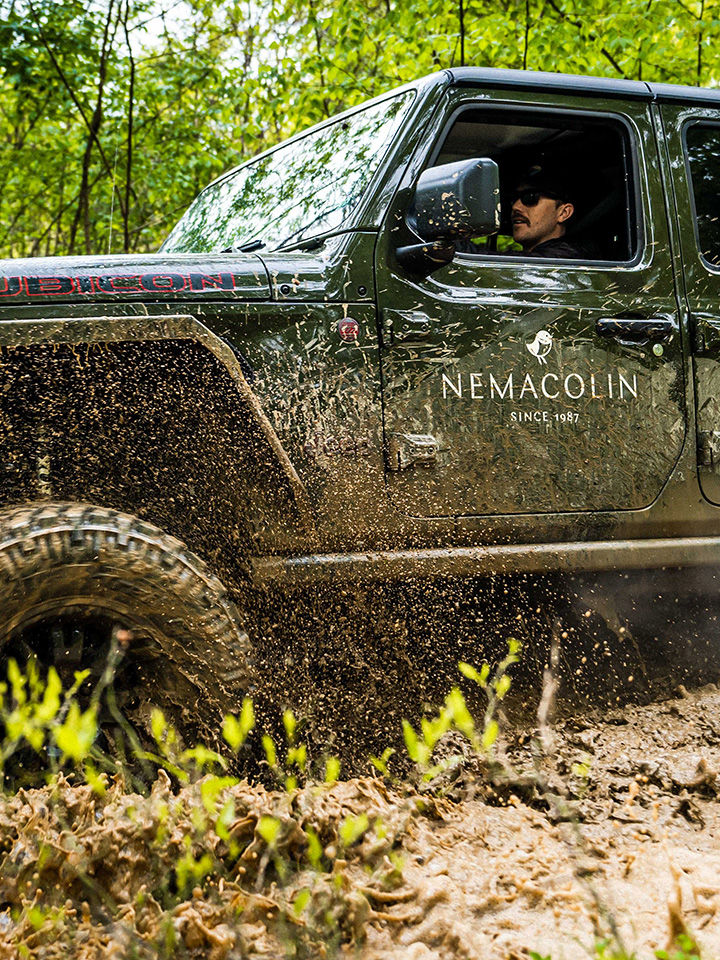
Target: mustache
[{"x": 519, "y": 218}]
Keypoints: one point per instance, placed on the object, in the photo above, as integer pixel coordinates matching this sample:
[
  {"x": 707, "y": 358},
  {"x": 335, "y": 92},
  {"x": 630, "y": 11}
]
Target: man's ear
[{"x": 565, "y": 211}]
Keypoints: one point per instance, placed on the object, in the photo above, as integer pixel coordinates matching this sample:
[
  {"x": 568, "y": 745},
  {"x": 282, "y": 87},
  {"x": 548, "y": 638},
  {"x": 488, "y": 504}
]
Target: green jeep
[{"x": 342, "y": 366}]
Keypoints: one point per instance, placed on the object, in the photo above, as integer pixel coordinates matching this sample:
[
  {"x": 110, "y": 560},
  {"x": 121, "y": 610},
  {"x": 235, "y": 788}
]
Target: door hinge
[
  {"x": 709, "y": 448},
  {"x": 407, "y": 450}
]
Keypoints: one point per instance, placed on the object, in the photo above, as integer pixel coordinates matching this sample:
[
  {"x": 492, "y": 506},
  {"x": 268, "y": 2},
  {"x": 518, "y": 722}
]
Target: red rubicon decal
[
  {"x": 54, "y": 286},
  {"x": 348, "y": 329}
]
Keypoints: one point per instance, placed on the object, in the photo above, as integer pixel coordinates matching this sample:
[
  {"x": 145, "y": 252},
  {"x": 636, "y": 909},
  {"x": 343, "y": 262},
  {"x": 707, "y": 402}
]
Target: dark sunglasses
[{"x": 531, "y": 198}]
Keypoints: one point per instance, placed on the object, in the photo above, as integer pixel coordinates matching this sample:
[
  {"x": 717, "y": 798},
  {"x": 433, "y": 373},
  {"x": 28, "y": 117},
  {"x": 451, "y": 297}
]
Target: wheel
[{"x": 74, "y": 577}]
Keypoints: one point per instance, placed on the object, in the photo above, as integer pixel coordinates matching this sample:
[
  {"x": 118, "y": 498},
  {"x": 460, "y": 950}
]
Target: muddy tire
[{"x": 72, "y": 576}]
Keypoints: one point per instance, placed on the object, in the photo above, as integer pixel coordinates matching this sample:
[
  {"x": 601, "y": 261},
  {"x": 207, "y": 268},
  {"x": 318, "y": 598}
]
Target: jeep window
[
  {"x": 702, "y": 141},
  {"x": 590, "y": 156},
  {"x": 305, "y": 188}
]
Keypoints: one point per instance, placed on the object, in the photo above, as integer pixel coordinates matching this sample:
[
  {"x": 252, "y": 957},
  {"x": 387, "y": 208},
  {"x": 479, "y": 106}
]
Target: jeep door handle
[{"x": 637, "y": 329}]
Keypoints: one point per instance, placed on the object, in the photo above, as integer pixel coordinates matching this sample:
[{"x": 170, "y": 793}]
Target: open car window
[{"x": 591, "y": 155}]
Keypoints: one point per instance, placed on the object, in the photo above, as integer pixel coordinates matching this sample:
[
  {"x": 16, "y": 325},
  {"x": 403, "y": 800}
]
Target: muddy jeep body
[{"x": 301, "y": 415}]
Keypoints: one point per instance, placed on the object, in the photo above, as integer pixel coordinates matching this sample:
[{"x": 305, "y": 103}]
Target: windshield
[{"x": 306, "y": 188}]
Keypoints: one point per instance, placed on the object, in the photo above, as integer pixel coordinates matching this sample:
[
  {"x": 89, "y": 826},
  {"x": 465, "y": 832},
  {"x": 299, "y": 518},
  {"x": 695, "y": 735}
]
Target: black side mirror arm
[{"x": 425, "y": 257}]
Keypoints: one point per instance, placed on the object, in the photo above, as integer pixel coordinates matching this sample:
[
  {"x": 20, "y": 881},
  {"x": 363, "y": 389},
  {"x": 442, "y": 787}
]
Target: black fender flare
[{"x": 138, "y": 329}]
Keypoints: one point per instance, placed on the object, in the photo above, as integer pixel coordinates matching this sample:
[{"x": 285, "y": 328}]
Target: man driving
[{"x": 541, "y": 209}]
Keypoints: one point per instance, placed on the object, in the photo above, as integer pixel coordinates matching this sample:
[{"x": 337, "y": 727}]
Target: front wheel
[{"x": 73, "y": 576}]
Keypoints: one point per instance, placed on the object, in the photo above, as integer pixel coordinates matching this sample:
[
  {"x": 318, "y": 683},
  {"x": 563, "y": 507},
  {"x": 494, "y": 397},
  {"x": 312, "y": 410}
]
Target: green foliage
[
  {"x": 332, "y": 770},
  {"x": 605, "y": 950},
  {"x": 684, "y": 948},
  {"x": 35, "y": 713},
  {"x": 237, "y": 729},
  {"x": 353, "y": 828},
  {"x": 190, "y": 871},
  {"x": 609, "y": 950},
  {"x": 109, "y": 128},
  {"x": 454, "y": 715},
  {"x": 75, "y": 735},
  {"x": 195, "y": 831},
  {"x": 381, "y": 763}
]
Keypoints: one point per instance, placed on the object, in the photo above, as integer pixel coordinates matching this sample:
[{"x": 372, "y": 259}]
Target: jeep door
[
  {"x": 519, "y": 384},
  {"x": 692, "y": 133}
]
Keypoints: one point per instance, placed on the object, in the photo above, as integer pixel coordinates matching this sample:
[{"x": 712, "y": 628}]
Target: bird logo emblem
[{"x": 541, "y": 345}]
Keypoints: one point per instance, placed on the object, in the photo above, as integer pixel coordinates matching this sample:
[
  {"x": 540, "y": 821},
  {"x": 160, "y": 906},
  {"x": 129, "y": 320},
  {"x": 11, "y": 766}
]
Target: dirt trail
[{"x": 625, "y": 831}]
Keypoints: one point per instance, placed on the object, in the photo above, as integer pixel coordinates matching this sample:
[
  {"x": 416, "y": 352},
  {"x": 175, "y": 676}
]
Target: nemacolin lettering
[
  {"x": 447, "y": 383},
  {"x": 528, "y": 386},
  {"x": 546, "y": 393},
  {"x": 552, "y": 386},
  {"x": 624, "y": 385},
  {"x": 579, "y": 385},
  {"x": 495, "y": 387}
]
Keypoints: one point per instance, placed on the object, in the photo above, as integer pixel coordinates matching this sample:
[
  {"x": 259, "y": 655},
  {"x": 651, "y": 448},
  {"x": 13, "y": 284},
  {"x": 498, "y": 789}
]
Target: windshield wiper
[{"x": 248, "y": 247}]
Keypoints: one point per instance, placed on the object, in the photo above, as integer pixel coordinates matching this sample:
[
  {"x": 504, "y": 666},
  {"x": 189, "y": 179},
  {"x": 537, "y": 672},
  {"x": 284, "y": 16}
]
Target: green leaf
[
  {"x": 502, "y": 686},
  {"x": 467, "y": 670},
  {"x": 268, "y": 827},
  {"x": 411, "y": 741},
  {"x": 315, "y": 850},
  {"x": 332, "y": 770},
  {"x": 247, "y": 718},
  {"x": 301, "y": 900},
  {"x": 232, "y": 732},
  {"x": 75, "y": 736},
  {"x": 458, "y": 711},
  {"x": 201, "y": 757},
  {"x": 490, "y": 735},
  {"x": 380, "y": 763},
  {"x": 289, "y": 724},
  {"x": 297, "y": 755},
  {"x": 50, "y": 705},
  {"x": 158, "y": 725},
  {"x": 270, "y": 751},
  {"x": 352, "y": 828},
  {"x": 97, "y": 781}
]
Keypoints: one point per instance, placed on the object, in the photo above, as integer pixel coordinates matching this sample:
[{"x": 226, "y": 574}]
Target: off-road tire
[{"x": 70, "y": 559}]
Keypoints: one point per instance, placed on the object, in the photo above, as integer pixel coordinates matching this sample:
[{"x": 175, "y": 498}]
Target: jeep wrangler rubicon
[{"x": 314, "y": 379}]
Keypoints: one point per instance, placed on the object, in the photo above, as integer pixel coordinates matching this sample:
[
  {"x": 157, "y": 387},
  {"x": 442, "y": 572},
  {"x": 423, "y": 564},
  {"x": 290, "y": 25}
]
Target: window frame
[
  {"x": 713, "y": 268},
  {"x": 631, "y": 157}
]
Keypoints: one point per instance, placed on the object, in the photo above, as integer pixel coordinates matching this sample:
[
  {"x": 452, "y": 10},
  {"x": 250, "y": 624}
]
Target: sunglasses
[{"x": 531, "y": 198}]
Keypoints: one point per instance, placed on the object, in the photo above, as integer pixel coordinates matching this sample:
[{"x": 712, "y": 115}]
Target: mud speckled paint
[{"x": 480, "y": 406}]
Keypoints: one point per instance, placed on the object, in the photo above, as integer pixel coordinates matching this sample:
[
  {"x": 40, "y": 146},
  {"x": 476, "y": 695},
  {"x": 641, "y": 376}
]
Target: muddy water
[{"x": 614, "y": 830}]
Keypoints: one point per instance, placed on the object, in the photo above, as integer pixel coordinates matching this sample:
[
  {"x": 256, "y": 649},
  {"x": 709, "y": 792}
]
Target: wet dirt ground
[{"x": 612, "y": 828}]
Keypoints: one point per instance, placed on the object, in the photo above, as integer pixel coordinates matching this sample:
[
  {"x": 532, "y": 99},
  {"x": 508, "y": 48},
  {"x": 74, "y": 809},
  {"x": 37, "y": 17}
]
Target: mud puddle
[{"x": 614, "y": 832}]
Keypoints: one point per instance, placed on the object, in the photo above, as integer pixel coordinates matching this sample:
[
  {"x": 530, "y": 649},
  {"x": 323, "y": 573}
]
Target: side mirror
[
  {"x": 458, "y": 200},
  {"x": 452, "y": 201}
]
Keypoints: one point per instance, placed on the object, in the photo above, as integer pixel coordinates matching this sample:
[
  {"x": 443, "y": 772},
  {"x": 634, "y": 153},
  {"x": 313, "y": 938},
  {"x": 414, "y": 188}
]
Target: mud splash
[{"x": 621, "y": 840}]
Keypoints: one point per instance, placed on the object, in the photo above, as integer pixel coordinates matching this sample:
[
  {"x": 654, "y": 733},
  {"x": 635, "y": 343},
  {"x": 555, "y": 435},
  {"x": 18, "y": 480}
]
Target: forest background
[{"x": 115, "y": 113}]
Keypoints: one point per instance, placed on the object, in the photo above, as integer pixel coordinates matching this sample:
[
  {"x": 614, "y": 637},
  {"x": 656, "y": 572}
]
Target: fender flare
[{"x": 137, "y": 329}]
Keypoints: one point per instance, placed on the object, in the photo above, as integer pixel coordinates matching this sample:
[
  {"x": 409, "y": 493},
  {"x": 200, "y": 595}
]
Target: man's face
[{"x": 534, "y": 223}]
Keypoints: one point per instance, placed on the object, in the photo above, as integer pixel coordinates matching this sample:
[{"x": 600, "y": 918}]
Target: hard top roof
[{"x": 582, "y": 86}]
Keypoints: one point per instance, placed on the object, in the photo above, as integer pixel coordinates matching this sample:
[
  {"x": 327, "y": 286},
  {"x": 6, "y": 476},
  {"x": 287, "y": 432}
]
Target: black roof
[{"x": 582, "y": 86}]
